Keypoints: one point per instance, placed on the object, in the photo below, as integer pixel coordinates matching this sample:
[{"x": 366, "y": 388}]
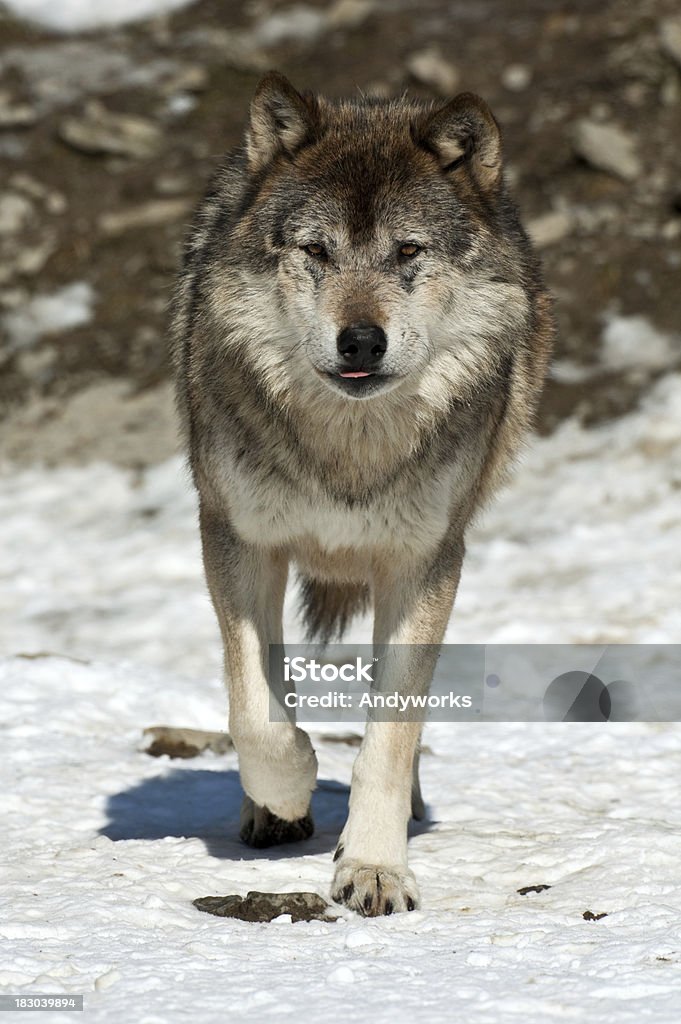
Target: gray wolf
[{"x": 360, "y": 337}]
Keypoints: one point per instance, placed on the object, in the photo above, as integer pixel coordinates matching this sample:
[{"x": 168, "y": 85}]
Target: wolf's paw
[
  {"x": 372, "y": 890},
  {"x": 261, "y": 828}
]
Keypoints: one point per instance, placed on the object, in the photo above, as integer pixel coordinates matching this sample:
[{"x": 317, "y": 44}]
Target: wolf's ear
[
  {"x": 281, "y": 120},
  {"x": 464, "y": 135}
]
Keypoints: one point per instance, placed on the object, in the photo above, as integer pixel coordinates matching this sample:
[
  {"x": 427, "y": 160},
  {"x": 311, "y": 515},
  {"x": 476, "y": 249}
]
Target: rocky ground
[{"x": 106, "y": 140}]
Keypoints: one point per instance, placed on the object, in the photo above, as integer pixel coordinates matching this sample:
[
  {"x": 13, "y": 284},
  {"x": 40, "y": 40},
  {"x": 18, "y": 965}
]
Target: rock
[
  {"x": 670, "y": 93},
  {"x": 25, "y": 244},
  {"x": 100, "y": 131},
  {"x": 607, "y": 148},
  {"x": 172, "y": 183},
  {"x": 15, "y": 213},
  {"x": 12, "y": 146},
  {"x": 516, "y": 77},
  {"x": 146, "y": 215},
  {"x": 549, "y": 228},
  {"x": 15, "y": 115},
  {"x": 31, "y": 259},
  {"x": 11, "y": 298},
  {"x": 600, "y": 112},
  {"x": 671, "y": 230},
  {"x": 266, "y": 906},
  {"x": 670, "y": 38},
  {"x": 189, "y": 78},
  {"x": 592, "y": 217},
  {"x": 37, "y": 365},
  {"x": 430, "y": 68},
  {"x": 53, "y": 201},
  {"x": 185, "y": 743},
  {"x": 236, "y": 49},
  {"x": 636, "y": 93},
  {"x": 349, "y": 13}
]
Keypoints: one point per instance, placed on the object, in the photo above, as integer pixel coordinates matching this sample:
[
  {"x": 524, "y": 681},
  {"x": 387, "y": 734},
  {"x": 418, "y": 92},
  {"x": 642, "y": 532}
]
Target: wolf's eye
[
  {"x": 409, "y": 250},
  {"x": 316, "y": 250}
]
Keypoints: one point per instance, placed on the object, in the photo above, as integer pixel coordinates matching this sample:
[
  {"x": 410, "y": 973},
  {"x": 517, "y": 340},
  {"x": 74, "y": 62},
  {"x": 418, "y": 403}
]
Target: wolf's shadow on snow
[{"x": 198, "y": 803}]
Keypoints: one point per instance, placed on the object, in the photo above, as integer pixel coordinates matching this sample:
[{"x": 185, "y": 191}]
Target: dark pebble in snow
[{"x": 532, "y": 888}]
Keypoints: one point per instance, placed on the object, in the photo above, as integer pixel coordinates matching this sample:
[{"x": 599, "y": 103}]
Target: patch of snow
[
  {"x": 300, "y": 22},
  {"x": 62, "y": 72},
  {"x": 632, "y": 342},
  {"x": 180, "y": 104},
  {"x": 83, "y": 15},
  {"x": 104, "y": 849},
  {"x": 627, "y": 343},
  {"x": 70, "y": 306},
  {"x": 296, "y": 22},
  {"x": 584, "y": 546}
]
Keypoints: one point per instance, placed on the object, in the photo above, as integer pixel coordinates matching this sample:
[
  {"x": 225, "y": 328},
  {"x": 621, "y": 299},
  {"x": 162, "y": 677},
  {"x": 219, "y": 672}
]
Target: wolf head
[{"x": 375, "y": 246}]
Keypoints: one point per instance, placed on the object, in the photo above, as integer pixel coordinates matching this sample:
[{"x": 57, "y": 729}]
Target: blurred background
[{"x": 110, "y": 124}]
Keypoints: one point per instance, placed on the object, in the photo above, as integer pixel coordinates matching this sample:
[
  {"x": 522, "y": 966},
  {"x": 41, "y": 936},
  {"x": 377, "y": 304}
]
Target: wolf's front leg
[
  {"x": 412, "y": 609},
  {"x": 277, "y": 764}
]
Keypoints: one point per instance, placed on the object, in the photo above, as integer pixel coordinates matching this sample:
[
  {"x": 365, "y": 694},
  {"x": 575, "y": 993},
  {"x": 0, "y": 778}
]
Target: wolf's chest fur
[{"x": 411, "y": 512}]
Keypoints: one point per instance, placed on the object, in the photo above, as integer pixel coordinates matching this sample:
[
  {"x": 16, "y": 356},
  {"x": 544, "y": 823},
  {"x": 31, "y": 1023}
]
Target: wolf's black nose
[{"x": 362, "y": 346}]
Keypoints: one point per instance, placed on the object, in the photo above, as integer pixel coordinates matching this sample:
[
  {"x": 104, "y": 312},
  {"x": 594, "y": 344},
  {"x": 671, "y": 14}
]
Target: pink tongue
[{"x": 357, "y": 373}]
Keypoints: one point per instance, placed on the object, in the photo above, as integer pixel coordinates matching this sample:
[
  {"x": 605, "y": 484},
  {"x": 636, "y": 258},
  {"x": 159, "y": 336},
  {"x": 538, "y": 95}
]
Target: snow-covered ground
[
  {"x": 105, "y": 847},
  {"x": 84, "y": 15}
]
